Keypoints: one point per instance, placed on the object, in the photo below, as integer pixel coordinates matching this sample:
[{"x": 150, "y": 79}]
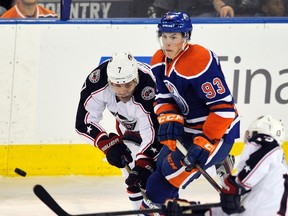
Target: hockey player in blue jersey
[{"x": 194, "y": 105}]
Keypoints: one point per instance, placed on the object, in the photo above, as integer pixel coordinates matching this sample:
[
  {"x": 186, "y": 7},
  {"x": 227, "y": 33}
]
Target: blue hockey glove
[
  {"x": 231, "y": 196},
  {"x": 199, "y": 151},
  {"x": 170, "y": 129},
  {"x": 117, "y": 153}
]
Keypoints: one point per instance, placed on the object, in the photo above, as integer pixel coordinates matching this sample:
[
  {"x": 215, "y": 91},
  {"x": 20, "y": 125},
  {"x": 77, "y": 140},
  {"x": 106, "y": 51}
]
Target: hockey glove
[
  {"x": 117, "y": 153},
  {"x": 178, "y": 207},
  {"x": 231, "y": 196},
  {"x": 199, "y": 151},
  {"x": 140, "y": 173},
  {"x": 170, "y": 129},
  {"x": 132, "y": 136}
]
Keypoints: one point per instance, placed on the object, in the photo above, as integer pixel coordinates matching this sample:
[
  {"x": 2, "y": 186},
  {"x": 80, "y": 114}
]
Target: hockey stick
[
  {"x": 183, "y": 150},
  {"x": 46, "y": 198},
  {"x": 49, "y": 201}
]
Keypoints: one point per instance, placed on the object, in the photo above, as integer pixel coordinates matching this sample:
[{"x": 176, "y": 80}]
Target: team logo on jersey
[
  {"x": 94, "y": 76},
  {"x": 129, "y": 124},
  {"x": 148, "y": 93},
  {"x": 177, "y": 97}
]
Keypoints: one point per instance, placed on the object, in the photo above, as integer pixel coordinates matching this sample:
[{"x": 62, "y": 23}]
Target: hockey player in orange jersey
[
  {"x": 194, "y": 106},
  {"x": 28, "y": 9}
]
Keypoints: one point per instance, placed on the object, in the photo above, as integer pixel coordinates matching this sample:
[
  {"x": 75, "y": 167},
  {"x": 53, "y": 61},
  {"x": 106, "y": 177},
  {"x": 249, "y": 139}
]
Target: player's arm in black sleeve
[{"x": 88, "y": 116}]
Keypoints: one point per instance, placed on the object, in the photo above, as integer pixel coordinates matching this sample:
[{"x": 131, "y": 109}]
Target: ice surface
[{"x": 80, "y": 194}]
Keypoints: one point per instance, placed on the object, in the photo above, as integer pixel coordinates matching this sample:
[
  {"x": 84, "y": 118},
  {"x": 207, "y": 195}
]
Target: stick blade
[{"x": 48, "y": 200}]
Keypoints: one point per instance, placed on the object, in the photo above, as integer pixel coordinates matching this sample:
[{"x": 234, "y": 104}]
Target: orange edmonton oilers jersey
[
  {"x": 41, "y": 12},
  {"x": 193, "y": 85}
]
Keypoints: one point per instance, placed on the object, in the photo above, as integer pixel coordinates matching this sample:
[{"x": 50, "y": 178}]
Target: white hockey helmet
[
  {"x": 267, "y": 125},
  {"x": 122, "y": 68}
]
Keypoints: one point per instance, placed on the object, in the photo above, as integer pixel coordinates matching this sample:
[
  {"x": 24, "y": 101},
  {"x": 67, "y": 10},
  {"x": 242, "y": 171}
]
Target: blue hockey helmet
[{"x": 175, "y": 22}]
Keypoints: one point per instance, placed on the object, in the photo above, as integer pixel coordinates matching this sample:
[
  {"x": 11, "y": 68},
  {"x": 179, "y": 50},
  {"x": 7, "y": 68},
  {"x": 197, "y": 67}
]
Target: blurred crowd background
[{"x": 156, "y": 8}]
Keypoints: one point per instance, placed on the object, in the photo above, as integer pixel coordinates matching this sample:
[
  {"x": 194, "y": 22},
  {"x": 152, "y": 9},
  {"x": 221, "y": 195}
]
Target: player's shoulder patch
[
  {"x": 99, "y": 74},
  {"x": 148, "y": 93},
  {"x": 94, "y": 76}
]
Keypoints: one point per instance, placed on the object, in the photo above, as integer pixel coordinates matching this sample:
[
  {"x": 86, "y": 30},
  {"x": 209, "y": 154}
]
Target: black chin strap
[{"x": 169, "y": 60}]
